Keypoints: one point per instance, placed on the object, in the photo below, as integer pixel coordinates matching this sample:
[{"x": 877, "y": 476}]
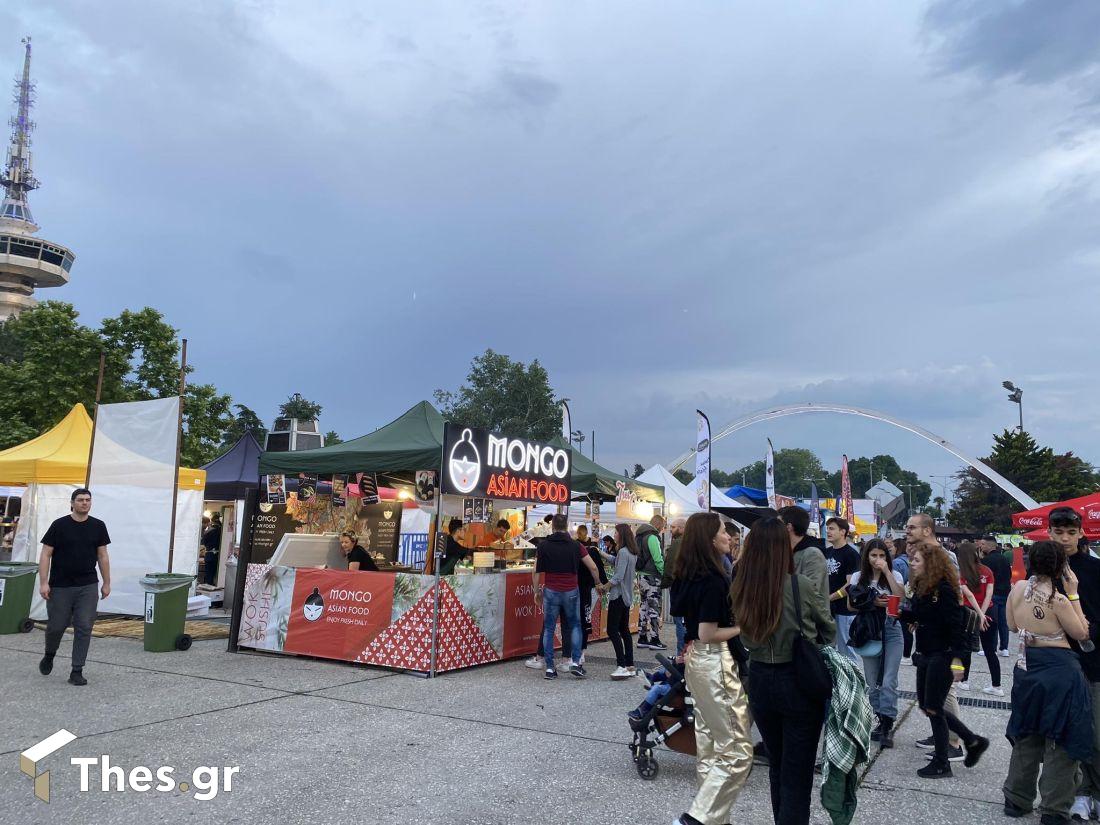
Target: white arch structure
[{"x": 811, "y": 407}]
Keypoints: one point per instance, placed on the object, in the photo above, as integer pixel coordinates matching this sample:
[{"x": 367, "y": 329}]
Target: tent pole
[
  {"x": 95, "y": 415},
  {"x": 179, "y": 446}
]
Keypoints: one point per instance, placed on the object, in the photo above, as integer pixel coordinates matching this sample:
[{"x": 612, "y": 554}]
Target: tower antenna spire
[
  {"x": 27, "y": 263},
  {"x": 18, "y": 177}
]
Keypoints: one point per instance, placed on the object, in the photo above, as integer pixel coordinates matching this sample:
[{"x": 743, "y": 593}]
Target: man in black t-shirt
[
  {"x": 841, "y": 561},
  {"x": 1001, "y": 567},
  {"x": 71, "y": 549}
]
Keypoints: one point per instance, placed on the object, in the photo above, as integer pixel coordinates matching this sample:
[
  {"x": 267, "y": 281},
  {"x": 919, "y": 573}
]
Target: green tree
[
  {"x": 506, "y": 396},
  {"x": 49, "y": 362},
  {"x": 885, "y": 467},
  {"x": 981, "y": 505},
  {"x": 684, "y": 477},
  {"x": 793, "y": 465},
  {"x": 300, "y": 408},
  {"x": 331, "y": 438},
  {"x": 245, "y": 421}
]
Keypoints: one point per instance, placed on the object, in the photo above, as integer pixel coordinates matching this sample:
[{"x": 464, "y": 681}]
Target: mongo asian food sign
[{"x": 479, "y": 463}]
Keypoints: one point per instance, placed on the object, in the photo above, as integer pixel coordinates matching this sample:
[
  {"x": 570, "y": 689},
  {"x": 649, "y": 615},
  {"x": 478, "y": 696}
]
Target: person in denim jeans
[
  {"x": 557, "y": 565},
  {"x": 995, "y": 560},
  {"x": 882, "y": 670}
]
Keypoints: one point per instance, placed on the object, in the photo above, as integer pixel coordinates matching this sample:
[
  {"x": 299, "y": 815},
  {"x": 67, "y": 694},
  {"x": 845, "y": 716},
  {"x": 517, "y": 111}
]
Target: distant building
[{"x": 26, "y": 263}]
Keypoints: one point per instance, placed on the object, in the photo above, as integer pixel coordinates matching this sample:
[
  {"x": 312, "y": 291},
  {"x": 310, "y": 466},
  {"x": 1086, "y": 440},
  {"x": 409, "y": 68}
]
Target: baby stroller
[{"x": 670, "y": 722}]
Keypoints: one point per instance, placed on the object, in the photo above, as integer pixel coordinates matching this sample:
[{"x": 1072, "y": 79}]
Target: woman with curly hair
[{"x": 941, "y": 642}]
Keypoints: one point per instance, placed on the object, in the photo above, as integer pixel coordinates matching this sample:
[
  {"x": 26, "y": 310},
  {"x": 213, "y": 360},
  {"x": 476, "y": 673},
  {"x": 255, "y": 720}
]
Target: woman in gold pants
[{"x": 701, "y": 595}]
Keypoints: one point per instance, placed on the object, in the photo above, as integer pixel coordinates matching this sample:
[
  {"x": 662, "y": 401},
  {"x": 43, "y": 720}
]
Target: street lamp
[
  {"x": 910, "y": 488},
  {"x": 1016, "y": 396}
]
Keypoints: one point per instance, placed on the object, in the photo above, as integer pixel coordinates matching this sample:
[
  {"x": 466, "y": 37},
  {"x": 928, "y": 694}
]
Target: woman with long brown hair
[
  {"x": 941, "y": 642},
  {"x": 763, "y": 596},
  {"x": 700, "y": 594},
  {"x": 620, "y": 598}
]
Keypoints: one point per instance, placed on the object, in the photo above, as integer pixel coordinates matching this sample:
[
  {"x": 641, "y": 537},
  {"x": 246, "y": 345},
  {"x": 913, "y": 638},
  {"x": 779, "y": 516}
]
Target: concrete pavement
[{"x": 320, "y": 742}]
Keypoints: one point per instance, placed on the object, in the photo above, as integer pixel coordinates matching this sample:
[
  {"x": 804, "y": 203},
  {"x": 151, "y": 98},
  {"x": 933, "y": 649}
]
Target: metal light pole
[
  {"x": 1016, "y": 396},
  {"x": 910, "y": 488}
]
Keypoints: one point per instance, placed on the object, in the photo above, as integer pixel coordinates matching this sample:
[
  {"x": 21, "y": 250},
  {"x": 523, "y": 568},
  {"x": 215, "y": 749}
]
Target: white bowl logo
[
  {"x": 388, "y": 514},
  {"x": 464, "y": 464},
  {"x": 314, "y": 606}
]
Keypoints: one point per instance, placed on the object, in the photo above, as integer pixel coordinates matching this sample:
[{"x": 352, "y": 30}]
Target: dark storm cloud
[
  {"x": 725, "y": 207},
  {"x": 1035, "y": 41}
]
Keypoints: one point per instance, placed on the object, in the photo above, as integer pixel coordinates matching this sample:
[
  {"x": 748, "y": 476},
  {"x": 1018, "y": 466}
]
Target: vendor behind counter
[{"x": 358, "y": 558}]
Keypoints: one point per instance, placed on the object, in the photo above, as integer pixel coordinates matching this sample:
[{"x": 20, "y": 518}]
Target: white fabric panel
[
  {"x": 138, "y": 545},
  {"x": 135, "y": 444},
  {"x": 416, "y": 521}
]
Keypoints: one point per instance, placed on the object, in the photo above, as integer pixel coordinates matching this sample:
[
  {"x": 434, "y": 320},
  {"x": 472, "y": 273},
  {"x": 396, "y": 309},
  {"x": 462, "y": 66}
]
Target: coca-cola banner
[{"x": 483, "y": 464}]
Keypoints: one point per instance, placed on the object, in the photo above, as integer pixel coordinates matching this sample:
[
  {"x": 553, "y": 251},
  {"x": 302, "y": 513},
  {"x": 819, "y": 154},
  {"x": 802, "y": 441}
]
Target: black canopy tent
[{"x": 231, "y": 475}]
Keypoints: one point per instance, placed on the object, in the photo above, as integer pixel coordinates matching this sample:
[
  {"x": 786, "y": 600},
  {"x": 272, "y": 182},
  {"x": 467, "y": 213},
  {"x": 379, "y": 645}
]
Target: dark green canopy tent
[{"x": 414, "y": 441}]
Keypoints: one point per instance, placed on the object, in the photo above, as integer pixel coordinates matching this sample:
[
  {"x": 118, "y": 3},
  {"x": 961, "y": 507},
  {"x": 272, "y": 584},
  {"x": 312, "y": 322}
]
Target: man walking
[
  {"x": 651, "y": 566},
  {"x": 557, "y": 565},
  {"x": 71, "y": 548},
  {"x": 841, "y": 561}
]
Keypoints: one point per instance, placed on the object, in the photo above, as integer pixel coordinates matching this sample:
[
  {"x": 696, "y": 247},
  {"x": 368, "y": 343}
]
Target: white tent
[
  {"x": 55, "y": 463},
  {"x": 679, "y": 497}
]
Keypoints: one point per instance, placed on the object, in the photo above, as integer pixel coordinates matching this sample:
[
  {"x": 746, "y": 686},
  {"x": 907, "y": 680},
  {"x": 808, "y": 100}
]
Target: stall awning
[
  {"x": 1036, "y": 524},
  {"x": 60, "y": 456},
  {"x": 415, "y": 442},
  {"x": 412, "y": 442},
  {"x": 234, "y": 472}
]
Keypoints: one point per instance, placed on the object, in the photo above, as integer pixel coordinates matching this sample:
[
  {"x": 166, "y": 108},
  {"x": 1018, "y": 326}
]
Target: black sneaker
[
  {"x": 1054, "y": 819},
  {"x": 935, "y": 770},
  {"x": 45, "y": 667},
  {"x": 974, "y": 751},
  {"x": 876, "y": 732},
  {"x": 928, "y": 744},
  {"x": 657, "y": 644},
  {"x": 954, "y": 754},
  {"x": 550, "y": 673},
  {"x": 77, "y": 678},
  {"x": 1015, "y": 811},
  {"x": 579, "y": 671},
  {"x": 643, "y": 641}
]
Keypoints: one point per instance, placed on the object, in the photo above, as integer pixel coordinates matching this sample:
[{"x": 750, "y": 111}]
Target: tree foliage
[
  {"x": 245, "y": 421},
  {"x": 49, "y": 361},
  {"x": 884, "y": 467},
  {"x": 300, "y": 408},
  {"x": 506, "y": 396},
  {"x": 793, "y": 465},
  {"x": 981, "y": 505}
]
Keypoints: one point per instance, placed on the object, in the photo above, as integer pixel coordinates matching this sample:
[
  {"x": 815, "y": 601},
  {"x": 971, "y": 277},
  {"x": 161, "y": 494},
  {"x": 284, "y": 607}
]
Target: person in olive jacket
[{"x": 764, "y": 609}]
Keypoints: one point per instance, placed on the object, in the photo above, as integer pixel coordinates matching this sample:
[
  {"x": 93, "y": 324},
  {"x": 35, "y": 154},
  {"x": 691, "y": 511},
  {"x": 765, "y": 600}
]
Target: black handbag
[{"x": 809, "y": 663}]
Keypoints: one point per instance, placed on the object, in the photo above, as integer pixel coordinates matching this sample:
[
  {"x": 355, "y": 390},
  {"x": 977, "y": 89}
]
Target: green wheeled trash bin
[
  {"x": 16, "y": 589},
  {"x": 165, "y": 611}
]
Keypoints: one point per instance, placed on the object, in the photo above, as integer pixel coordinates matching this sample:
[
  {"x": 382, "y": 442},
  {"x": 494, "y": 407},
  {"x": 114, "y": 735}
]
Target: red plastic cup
[{"x": 893, "y": 606}]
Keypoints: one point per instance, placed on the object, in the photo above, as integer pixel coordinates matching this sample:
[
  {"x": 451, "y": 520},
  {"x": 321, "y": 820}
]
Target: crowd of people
[{"x": 749, "y": 615}]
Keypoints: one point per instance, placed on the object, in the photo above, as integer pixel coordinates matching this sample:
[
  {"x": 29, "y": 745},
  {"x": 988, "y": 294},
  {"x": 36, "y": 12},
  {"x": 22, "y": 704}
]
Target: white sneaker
[
  {"x": 964, "y": 685},
  {"x": 1004, "y": 654},
  {"x": 620, "y": 673},
  {"x": 993, "y": 691},
  {"x": 1082, "y": 808},
  {"x": 535, "y": 663}
]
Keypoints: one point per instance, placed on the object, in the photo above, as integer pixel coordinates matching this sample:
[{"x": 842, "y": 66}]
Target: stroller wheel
[{"x": 648, "y": 767}]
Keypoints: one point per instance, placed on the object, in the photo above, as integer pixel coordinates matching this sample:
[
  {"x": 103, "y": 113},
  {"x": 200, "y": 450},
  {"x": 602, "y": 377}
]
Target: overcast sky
[{"x": 725, "y": 205}]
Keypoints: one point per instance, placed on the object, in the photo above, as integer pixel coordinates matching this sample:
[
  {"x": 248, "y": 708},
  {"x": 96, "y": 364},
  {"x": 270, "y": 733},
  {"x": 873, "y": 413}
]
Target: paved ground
[{"x": 324, "y": 743}]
